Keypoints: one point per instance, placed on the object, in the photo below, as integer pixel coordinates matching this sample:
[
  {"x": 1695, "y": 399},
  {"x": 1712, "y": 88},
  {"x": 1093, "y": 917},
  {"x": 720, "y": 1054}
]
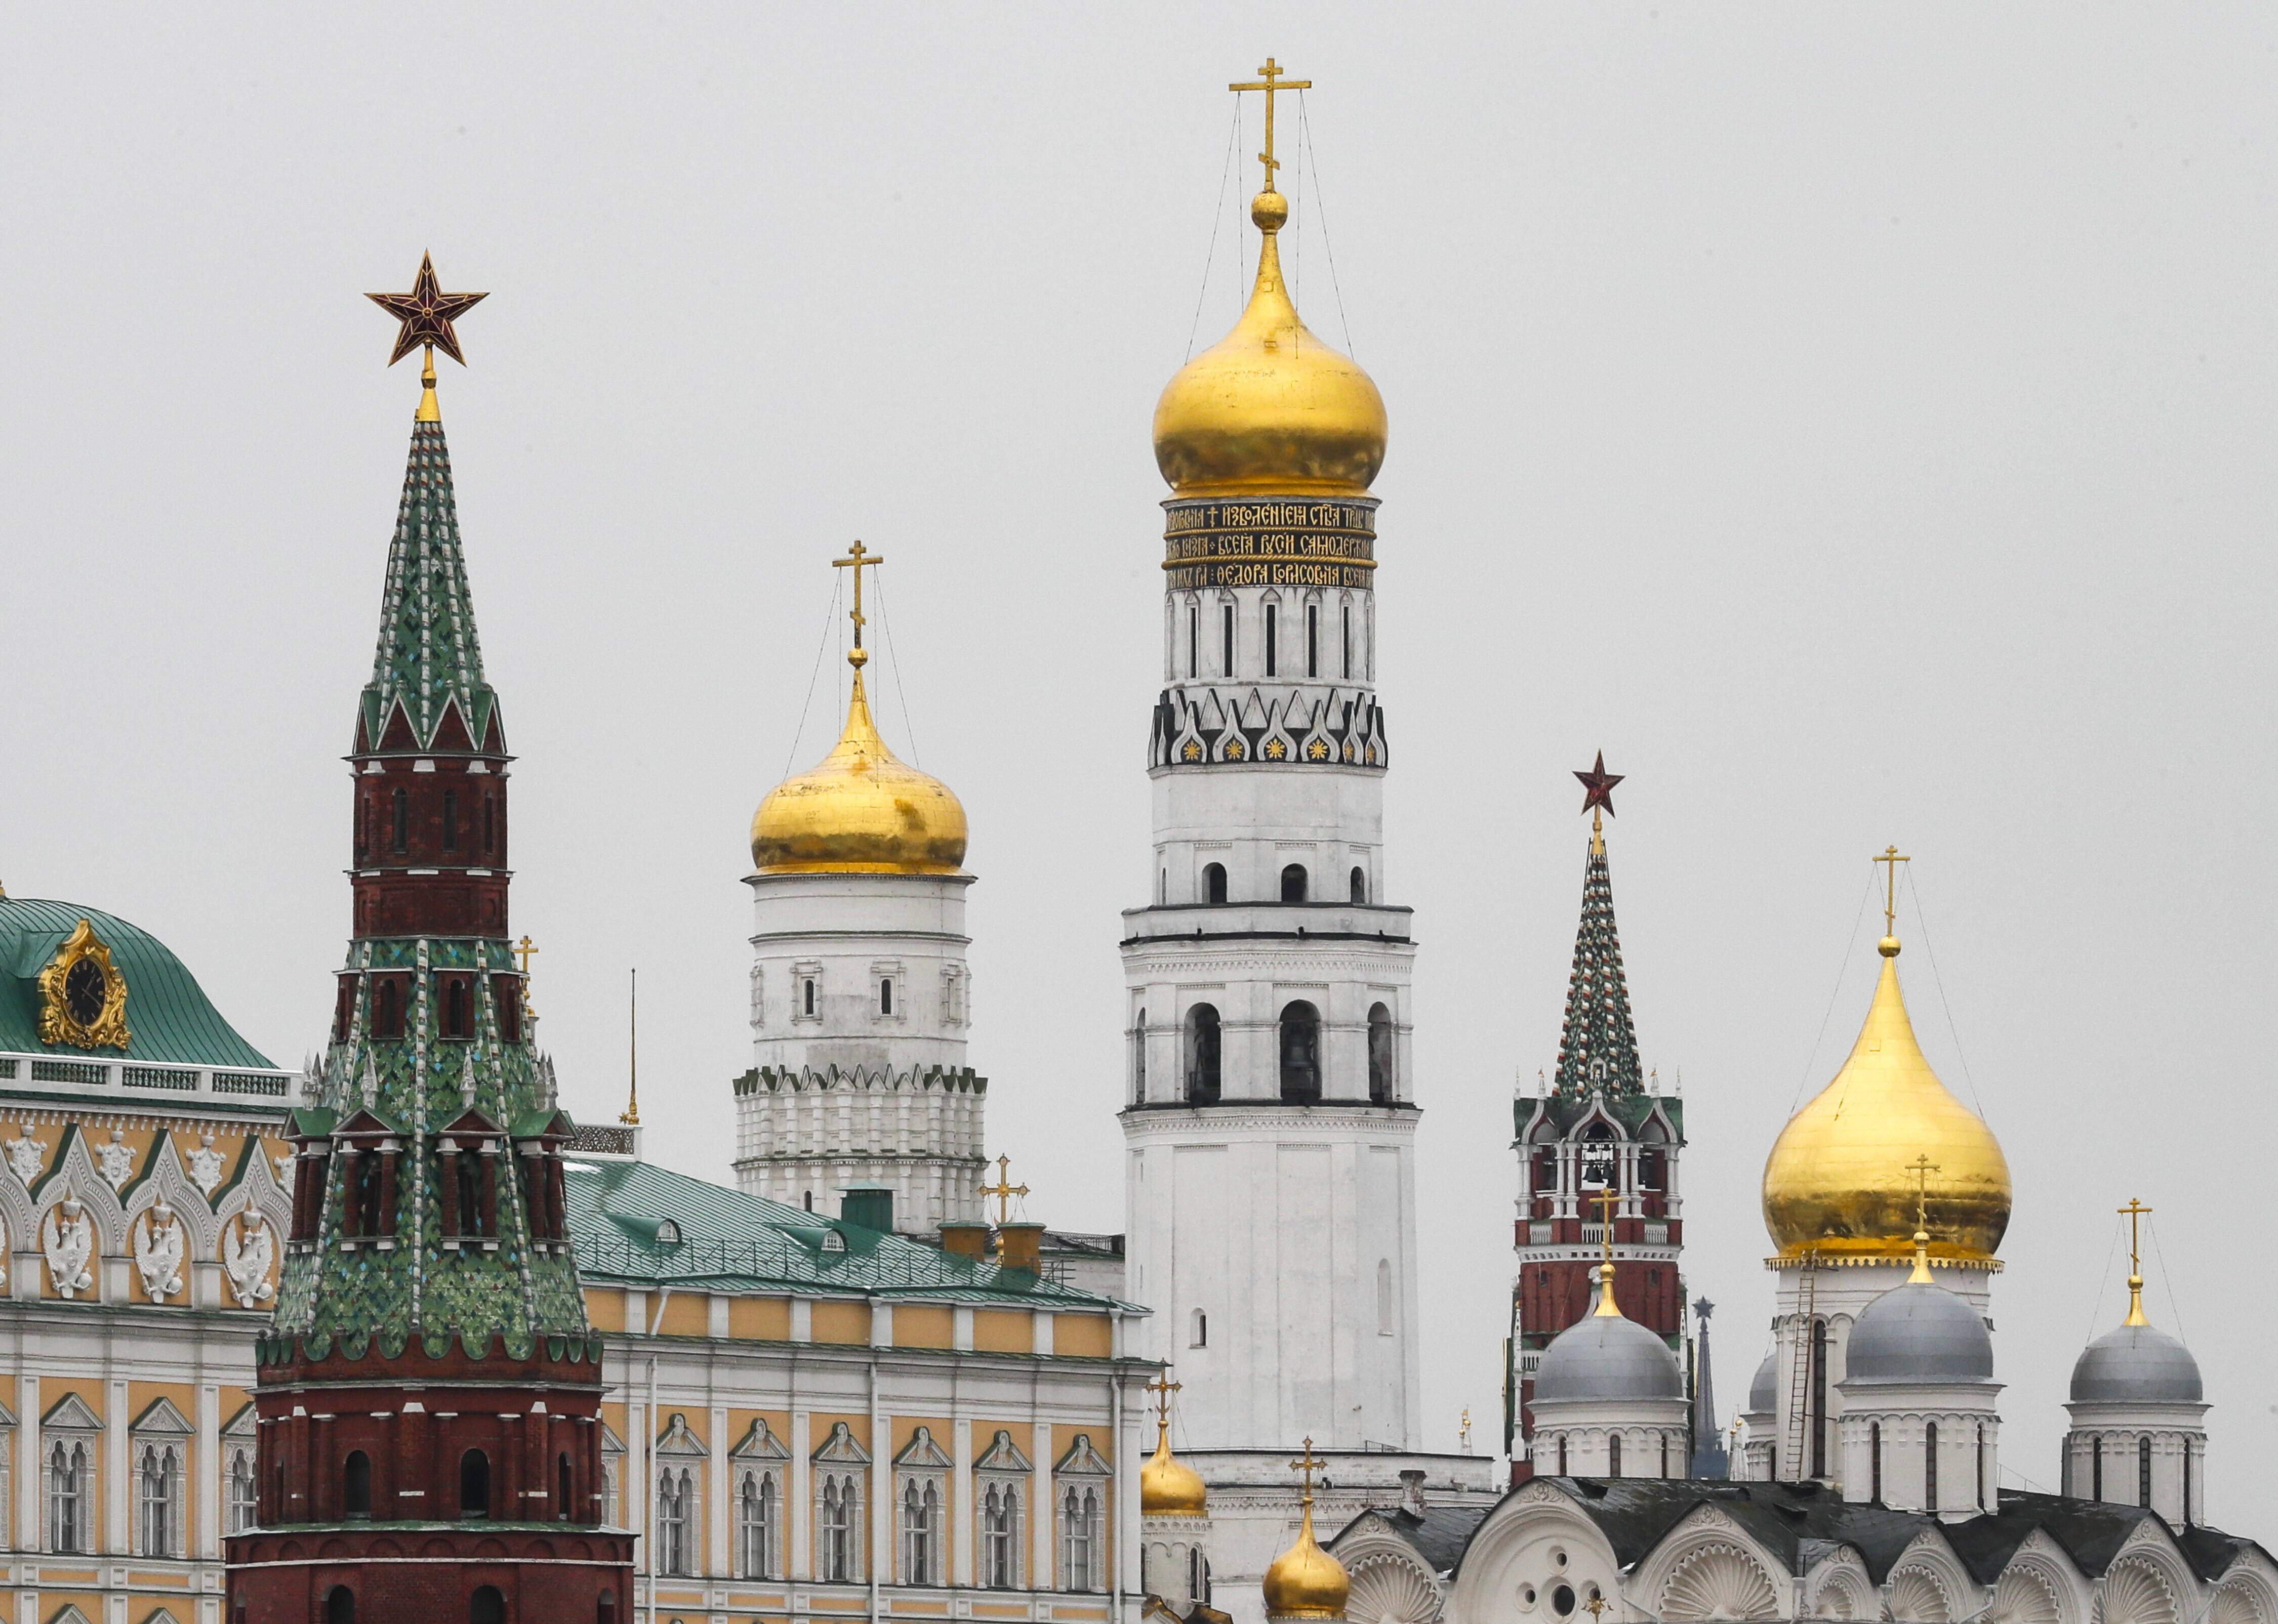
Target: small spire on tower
[{"x": 1597, "y": 1047}]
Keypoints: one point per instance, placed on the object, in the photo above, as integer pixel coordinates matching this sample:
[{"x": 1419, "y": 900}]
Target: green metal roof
[
  {"x": 733, "y": 1242},
  {"x": 171, "y": 1020}
]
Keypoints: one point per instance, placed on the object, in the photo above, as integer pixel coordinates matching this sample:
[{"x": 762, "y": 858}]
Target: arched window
[
  {"x": 886, "y": 996},
  {"x": 1385, "y": 1315},
  {"x": 402, "y": 845},
  {"x": 244, "y": 1492},
  {"x": 158, "y": 1495},
  {"x": 1614, "y": 1455},
  {"x": 1293, "y": 883},
  {"x": 486, "y": 1605},
  {"x": 386, "y": 1009},
  {"x": 1360, "y": 887},
  {"x": 356, "y": 1484},
  {"x": 1875, "y": 1462},
  {"x": 676, "y": 1492},
  {"x": 474, "y": 1484},
  {"x": 1272, "y": 635},
  {"x": 458, "y": 1012},
  {"x": 339, "y": 1606},
  {"x": 1347, "y": 639},
  {"x": 1379, "y": 1053},
  {"x": 1214, "y": 882},
  {"x": 1981, "y": 1467},
  {"x": 1225, "y": 618},
  {"x": 807, "y": 993},
  {"x": 1561, "y": 1454},
  {"x": 921, "y": 1531},
  {"x": 838, "y": 1524},
  {"x": 757, "y": 1529},
  {"x": 1080, "y": 1537},
  {"x": 1198, "y": 1334},
  {"x": 2096, "y": 1468},
  {"x": 1819, "y": 1402},
  {"x": 1300, "y": 1053},
  {"x": 1194, "y": 639},
  {"x": 1201, "y": 1055},
  {"x": 565, "y": 1491},
  {"x": 2188, "y": 1509},
  {"x": 1139, "y": 1060},
  {"x": 605, "y": 1608},
  {"x": 1930, "y": 1466},
  {"x": 2142, "y": 1471},
  {"x": 1000, "y": 1538}
]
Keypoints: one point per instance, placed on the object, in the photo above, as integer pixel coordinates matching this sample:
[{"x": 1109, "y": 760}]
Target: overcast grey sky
[{"x": 1856, "y": 421}]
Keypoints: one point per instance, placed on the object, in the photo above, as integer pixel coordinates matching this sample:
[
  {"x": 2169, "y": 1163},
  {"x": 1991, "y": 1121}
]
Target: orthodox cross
[
  {"x": 1605, "y": 1198},
  {"x": 1269, "y": 81},
  {"x": 1922, "y": 1167},
  {"x": 426, "y": 313},
  {"x": 1004, "y": 1189},
  {"x": 1163, "y": 1387},
  {"x": 1892, "y": 860},
  {"x": 1309, "y": 1464},
  {"x": 857, "y": 559},
  {"x": 1463, "y": 1431},
  {"x": 2137, "y": 1212},
  {"x": 523, "y": 950}
]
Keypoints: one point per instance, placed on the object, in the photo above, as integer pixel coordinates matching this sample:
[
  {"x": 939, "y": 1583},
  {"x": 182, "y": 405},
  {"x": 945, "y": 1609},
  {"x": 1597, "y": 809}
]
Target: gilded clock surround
[{"x": 63, "y": 985}]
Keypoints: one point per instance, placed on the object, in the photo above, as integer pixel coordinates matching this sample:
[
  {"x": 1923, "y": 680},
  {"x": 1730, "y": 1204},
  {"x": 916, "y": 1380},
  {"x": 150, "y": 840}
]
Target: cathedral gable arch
[{"x": 1536, "y": 1539}]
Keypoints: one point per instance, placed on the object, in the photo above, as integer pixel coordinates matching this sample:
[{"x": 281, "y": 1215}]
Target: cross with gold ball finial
[
  {"x": 1270, "y": 80},
  {"x": 1163, "y": 1387},
  {"x": 1891, "y": 857},
  {"x": 858, "y": 558},
  {"x": 1004, "y": 1189},
  {"x": 2136, "y": 1212}
]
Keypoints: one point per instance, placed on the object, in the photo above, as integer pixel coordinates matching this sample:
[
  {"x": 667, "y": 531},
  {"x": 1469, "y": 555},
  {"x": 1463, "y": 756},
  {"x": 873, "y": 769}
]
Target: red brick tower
[
  {"x": 429, "y": 1392},
  {"x": 1601, "y": 1126}
]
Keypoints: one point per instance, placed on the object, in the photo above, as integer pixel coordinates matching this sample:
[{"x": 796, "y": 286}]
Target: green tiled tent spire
[
  {"x": 466, "y": 1057},
  {"x": 429, "y": 655},
  {"x": 1598, "y": 1048}
]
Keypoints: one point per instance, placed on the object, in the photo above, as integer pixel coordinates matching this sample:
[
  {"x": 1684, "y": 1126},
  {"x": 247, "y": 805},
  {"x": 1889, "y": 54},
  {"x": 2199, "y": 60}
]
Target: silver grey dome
[
  {"x": 1918, "y": 1334},
  {"x": 1606, "y": 1358},
  {"x": 1763, "y": 1392},
  {"x": 2136, "y": 1364}
]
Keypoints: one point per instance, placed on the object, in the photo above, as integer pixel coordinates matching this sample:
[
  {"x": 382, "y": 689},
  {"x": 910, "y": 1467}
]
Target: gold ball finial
[
  {"x": 858, "y": 658},
  {"x": 1888, "y": 946},
  {"x": 1269, "y": 211}
]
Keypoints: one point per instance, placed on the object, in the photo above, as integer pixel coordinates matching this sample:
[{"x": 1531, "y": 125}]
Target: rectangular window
[
  {"x": 244, "y": 1496},
  {"x": 1272, "y": 627},
  {"x": 159, "y": 1493},
  {"x": 1349, "y": 640},
  {"x": 1313, "y": 639},
  {"x": 450, "y": 820},
  {"x": 1226, "y": 669},
  {"x": 1194, "y": 639},
  {"x": 403, "y": 822}
]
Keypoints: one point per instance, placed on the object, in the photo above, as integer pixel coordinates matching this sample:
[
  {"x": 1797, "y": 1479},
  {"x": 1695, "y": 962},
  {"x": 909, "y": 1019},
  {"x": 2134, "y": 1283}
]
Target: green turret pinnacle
[
  {"x": 429, "y": 655},
  {"x": 1598, "y": 1048}
]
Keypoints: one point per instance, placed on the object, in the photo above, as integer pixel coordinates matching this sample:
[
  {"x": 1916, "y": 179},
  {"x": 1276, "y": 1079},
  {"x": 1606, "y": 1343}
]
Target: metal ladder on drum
[{"x": 1799, "y": 1374}]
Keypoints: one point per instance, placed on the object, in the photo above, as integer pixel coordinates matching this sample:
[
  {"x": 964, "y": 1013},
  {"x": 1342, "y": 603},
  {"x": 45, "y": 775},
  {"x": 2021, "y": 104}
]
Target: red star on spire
[
  {"x": 426, "y": 313},
  {"x": 1598, "y": 786}
]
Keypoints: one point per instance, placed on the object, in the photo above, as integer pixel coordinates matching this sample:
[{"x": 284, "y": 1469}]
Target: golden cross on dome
[
  {"x": 1004, "y": 1189},
  {"x": 1892, "y": 860},
  {"x": 1310, "y": 1464},
  {"x": 1606, "y": 1198},
  {"x": 1922, "y": 1167},
  {"x": 1163, "y": 1387},
  {"x": 2135, "y": 1213},
  {"x": 857, "y": 559},
  {"x": 523, "y": 950},
  {"x": 1271, "y": 80}
]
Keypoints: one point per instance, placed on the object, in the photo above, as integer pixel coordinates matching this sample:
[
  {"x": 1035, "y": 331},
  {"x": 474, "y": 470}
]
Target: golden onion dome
[
  {"x": 1270, "y": 409},
  {"x": 1838, "y": 1178},
  {"x": 860, "y": 812},
  {"x": 1305, "y": 1581},
  {"x": 1168, "y": 1487}
]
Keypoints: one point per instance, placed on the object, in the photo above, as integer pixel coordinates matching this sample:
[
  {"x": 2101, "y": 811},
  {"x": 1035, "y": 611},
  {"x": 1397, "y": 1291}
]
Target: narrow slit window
[
  {"x": 1226, "y": 669},
  {"x": 1272, "y": 635},
  {"x": 450, "y": 820},
  {"x": 1348, "y": 634},
  {"x": 886, "y": 996},
  {"x": 1313, "y": 639},
  {"x": 1194, "y": 639},
  {"x": 809, "y": 995},
  {"x": 402, "y": 820}
]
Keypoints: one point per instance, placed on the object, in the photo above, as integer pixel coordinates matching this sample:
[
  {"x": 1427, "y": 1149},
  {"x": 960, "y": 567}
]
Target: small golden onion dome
[
  {"x": 1168, "y": 1487},
  {"x": 1270, "y": 409},
  {"x": 860, "y": 812},
  {"x": 1305, "y": 1581},
  {"x": 1839, "y": 1179}
]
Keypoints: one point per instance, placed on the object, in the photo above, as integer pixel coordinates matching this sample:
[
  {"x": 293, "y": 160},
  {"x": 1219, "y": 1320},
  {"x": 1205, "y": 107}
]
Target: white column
[
  {"x": 118, "y": 1501},
  {"x": 721, "y": 1490},
  {"x": 211, "y": 1513},
  {"x": 797, "y": 1536},
  {"x": 31, "y": 1467},
  {"x": 963, "y": 1510}
]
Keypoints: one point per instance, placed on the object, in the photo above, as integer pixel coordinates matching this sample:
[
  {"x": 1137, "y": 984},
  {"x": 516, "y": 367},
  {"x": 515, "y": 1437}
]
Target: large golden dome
[
  {"x": 1305, "y": 1581},
  {"x": 1838, "y": 1178},
  {"x": 860, "y": 812},
  {"x": 1269, "y": 409},
  {"x": 1168, "y": 1487}
]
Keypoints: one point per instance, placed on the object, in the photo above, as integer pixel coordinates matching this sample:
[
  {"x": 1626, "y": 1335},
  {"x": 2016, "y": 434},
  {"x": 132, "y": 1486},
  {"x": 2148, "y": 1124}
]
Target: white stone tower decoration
[
  {"x": 2138, "y": 1434},
  {"x": 1270, "y": 1111},
  {"x": 860, "y": 994}
]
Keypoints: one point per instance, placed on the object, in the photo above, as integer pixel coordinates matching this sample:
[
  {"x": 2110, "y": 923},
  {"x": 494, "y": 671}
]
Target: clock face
[{"x": 85, "y": 989}]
